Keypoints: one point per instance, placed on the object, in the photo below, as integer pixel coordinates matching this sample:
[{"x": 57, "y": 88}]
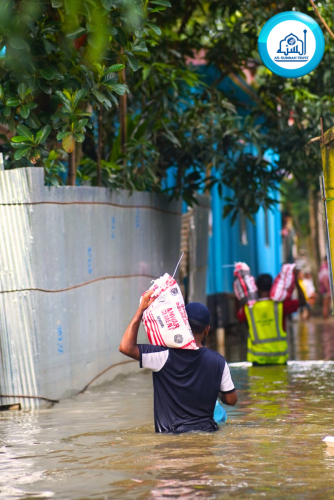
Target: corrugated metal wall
[
  {"x": 73, "y": 264},
  {"x": 198, "y": 249}
]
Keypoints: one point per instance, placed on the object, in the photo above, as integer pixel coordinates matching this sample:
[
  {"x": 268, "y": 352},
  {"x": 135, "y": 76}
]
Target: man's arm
[
  {"x": 230, "y": 398},
  {"x": 227, "y": 392},
  {"x": 128, "y": 345}
]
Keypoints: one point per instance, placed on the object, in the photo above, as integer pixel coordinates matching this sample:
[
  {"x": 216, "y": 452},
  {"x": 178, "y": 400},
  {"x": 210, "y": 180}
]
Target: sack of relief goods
[
  {"x": 244, "y": 284},
  {"x": 165, "y": 320},
  {"x": 284, "y": 284}
]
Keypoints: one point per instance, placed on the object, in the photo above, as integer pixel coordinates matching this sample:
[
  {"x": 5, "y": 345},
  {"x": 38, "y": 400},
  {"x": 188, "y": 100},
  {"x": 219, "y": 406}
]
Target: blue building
[{"x": 259, "y": 244}]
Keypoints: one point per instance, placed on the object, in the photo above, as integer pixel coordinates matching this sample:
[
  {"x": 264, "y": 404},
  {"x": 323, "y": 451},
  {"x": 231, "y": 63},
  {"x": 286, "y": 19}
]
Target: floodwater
[{"x": 102, "y": 445}]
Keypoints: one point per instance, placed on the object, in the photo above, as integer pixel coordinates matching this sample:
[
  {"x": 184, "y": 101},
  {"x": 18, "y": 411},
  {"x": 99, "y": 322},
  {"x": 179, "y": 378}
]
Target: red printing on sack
[
  {"x": 170, "y": 319},
  {"x": 182, "y": 311}
]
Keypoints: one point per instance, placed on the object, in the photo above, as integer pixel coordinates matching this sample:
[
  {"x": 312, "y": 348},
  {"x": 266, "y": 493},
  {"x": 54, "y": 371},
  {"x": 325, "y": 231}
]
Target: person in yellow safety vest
[{"x": 267, "y": 342}]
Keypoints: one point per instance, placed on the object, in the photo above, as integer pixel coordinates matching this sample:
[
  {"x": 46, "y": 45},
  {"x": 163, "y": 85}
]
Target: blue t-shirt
[{"x": 186, "y": 385}]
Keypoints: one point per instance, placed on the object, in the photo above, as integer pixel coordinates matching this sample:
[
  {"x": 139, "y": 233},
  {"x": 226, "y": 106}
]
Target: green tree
[
  {"x": 124, "y": 68},
  {"x": 63, "y": 60}
]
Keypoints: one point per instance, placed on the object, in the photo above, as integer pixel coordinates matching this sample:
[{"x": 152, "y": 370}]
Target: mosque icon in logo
[{"x": 292, "y": 45}]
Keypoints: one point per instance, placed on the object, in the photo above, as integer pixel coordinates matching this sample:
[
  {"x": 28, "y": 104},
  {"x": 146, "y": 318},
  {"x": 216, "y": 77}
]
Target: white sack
[
  {"x": 165, "y": 320},
  {"x": 284, "y": 284},
  {"x": 244, "y": 284}
]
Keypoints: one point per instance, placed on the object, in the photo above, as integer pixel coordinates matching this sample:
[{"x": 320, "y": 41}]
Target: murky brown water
[{"x": 102, "y": 445}]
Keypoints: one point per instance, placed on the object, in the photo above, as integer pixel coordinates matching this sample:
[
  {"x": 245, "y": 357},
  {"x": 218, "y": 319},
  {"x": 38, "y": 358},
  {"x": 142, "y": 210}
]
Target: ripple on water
[{"x": 102, "y": 445}]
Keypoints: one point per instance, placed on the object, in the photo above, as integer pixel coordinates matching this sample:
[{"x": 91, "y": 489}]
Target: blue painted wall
[
  {"x": 263, "y": 248},
  {"x": 262, "y": 251}
]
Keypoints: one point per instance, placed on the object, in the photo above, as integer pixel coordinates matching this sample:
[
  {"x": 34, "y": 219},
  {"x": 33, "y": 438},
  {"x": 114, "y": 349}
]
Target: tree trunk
[
  {"x": 123, "y": 113},
  {"x": 71, "y": 169},
  {"x": 99, "y": 147}
]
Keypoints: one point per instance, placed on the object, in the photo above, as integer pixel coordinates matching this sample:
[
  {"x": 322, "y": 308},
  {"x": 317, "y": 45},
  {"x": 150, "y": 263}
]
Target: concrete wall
[{"x": 73, "y": 264}]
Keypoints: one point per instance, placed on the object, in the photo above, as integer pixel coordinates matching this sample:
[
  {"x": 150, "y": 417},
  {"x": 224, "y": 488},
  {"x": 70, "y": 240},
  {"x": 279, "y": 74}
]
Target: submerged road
[{"x": 102, "y": 445}]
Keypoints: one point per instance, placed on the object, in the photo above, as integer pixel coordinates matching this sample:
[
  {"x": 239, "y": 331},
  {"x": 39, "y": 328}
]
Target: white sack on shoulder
[
  {"x": 165, "y": 320},
  {"x": 244, "y": 284},
  {"x": 284, "y": 284}
]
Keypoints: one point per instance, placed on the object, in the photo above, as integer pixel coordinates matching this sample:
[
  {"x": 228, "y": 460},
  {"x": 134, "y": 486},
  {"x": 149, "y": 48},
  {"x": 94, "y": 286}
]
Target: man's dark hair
[
  {"x": 264, "y": 282},
  {"x": 196, "y": 328}
]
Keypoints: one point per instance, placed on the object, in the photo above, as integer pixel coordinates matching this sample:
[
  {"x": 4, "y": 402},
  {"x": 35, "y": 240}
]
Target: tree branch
[{"x": 322, "y": 20}]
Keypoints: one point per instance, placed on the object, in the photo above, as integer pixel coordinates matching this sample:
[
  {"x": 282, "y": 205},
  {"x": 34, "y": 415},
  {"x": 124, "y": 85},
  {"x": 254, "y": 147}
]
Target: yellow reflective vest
[{"x": 266, "y": 342}]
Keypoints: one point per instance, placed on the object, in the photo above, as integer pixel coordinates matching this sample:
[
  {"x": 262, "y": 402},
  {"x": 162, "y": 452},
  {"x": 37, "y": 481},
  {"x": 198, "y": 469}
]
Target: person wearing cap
[
  {"x": 267, "y": 340},
  {"x": 186, "y": 383}
]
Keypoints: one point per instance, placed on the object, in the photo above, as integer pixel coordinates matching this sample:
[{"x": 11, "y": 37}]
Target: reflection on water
[
  {"x": 307, "y": 340},
  {"x": 102, "y": 445},
  {"x": 312, "y": 339}
]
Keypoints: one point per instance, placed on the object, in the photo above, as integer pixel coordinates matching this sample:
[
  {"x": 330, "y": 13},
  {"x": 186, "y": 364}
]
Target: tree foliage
[{"x": 69, "y": 64}]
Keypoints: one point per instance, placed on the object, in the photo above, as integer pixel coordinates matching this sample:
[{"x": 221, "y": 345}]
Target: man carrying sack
[
  {"x": 186, "y": 382},
  {"x": 267, "y": 342}
]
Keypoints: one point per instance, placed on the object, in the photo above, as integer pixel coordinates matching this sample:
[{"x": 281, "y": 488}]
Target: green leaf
[
  {"x": 65, "y": 100},
  {"x": 23, "y": 130},
  {"x": 13, "y": 102},
  {"x": 24, "y": 111},
  {"x": 72, "y": 35},
  {"x": 53, "y": 155},
  {"x": 79, "y": 94},
  {"x": 18, "y": 43},
  {"x": 94, "y": 40},
  {"x": 154, "y": 27},
  {"x": 80, "y": 125},
  {"x": 56, "y": 4},
  {"x": 48, "y": 73},
  {"x": 79, "y": 137},
  {"x": 156, "y": 9},
  {"x": 62, "y": 135},
  {"x": 141, "y": 47},
  {"x": 146, "y": 72},
  {"x": 19, "y": 138},
  {"x": 19, "y": 153},
  {"x": 21, "y": 90},
  {"x": 33, "y": 121},
  {"x": 1, "y": 92},
  {"x": 110, "y": 77},
  {"x": 113, "y": 98},
  {"x": 164, "y": 3},
  {"x": 18, "y": 145},
  {"x": 7, "y": 111},
  {"x": 111, "y": 30},
  {"x": 47, "y": 45},
  {"x": 114, "y": 68},
  {"x": 102, "y": 99},
  {"x": 42, "y": 135},
  {"x": 133, "y": 63},
  {"x": 109, "y": 164},
  {"x": 107, "y": 4},
  {"x": 121, "y": 37},
  {"x": 31, "y": 105},
  {"x": 119, "y": 88},
  {"x": 47, "y": 89}
]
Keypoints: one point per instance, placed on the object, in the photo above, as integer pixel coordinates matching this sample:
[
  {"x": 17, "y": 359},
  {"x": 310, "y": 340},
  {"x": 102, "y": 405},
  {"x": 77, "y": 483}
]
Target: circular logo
[
  {"x": 178, "y": 339},
  {"x": 291, "y": 44},
  {"x": 174, "y": 291},
  {"x": 161, "y": 298}
]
